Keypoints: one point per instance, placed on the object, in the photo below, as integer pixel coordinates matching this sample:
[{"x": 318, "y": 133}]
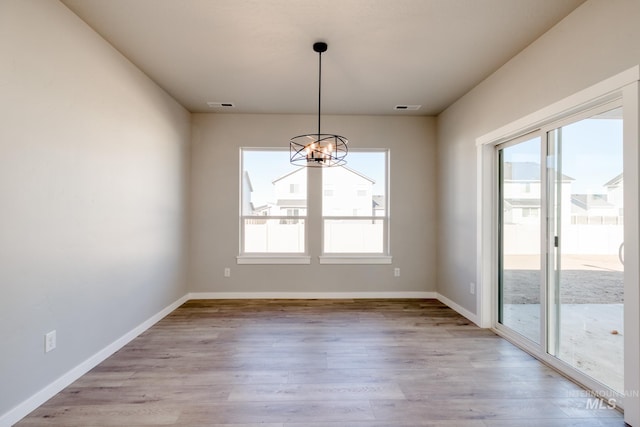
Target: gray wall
[
  {"x": 215, "y": 200},
  {"x": 93, "y": 168},
  {"x": 598, "y": 40}
]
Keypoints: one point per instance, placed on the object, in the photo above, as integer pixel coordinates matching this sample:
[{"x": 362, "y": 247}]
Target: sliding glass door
[
  {"x": 561, "y": 244},
  {"x": 519, "y": 275},
  {"x": 586, "y": 246}
]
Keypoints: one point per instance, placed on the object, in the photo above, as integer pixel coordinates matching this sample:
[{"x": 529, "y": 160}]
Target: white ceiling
[{"x": 258, "y": 54}]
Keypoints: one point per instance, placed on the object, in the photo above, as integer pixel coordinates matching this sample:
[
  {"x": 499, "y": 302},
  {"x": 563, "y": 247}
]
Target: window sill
[
  {"x": 373, "y": 259},
  {"x": 273, "y": 259}
]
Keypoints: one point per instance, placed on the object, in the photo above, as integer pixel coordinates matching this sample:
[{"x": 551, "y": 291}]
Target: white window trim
[
  {"x": 273, "y": 259},
  {"x": 267, "y": 257},
  {"x": 355, "y": 259},
  {"x": 369, "y": 258},
  {"x": 311, "y": 220}
]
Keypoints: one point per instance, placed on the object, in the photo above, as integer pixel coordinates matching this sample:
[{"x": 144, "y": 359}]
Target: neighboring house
[
  {"x": 593, "y": 209},
  {"x": 583, "y": 215},
  {"x": 378, "y": 205},
  {"x": 522, "y": 192},
  {"x": 599, "y": 208},
  {"x": 615, "y": 193},
  {"x": 247, "y": 190},
  {"x": 347, "y": 192},
  {"x": 264, "y": 210},
  {"x": 290, "y": 194}
]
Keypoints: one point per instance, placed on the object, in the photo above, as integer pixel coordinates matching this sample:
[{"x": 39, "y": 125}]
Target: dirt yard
[{"x": 584, "y": 279}]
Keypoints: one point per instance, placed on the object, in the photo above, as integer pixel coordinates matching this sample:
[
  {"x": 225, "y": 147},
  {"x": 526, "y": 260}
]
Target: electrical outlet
[
  {"x": 396, "y": 272},
  {"x": 472, "y": 288},
  {"x": 227, "y": 272},
  {"x": 49, "y": 341}
]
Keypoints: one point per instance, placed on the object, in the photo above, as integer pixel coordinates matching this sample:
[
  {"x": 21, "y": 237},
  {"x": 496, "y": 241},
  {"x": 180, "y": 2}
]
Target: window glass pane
[
  {"x": 519, "y": 272},
  {"x": 353, "y": 236},
  {"x": 274, "y": 235},
  {"x": 271, "y": 186},
  {"x": 586, "y": 283},
  {"x": 357, "y": 189}
]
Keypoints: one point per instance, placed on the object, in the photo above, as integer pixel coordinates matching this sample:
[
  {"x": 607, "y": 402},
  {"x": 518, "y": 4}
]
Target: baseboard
[
  {"x": 312, "y": 295},
  {"x": 458, "y": 308},
  {"x": 25, "y": 408},
  {"x": 29, "y": 405}
]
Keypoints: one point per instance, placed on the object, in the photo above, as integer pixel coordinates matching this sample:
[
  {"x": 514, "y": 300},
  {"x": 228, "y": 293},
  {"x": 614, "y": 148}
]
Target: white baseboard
[
  {"x": 460, "y": 309},
  {"x": 311, "y": 295},
  {"x": 25, "y": 408}
]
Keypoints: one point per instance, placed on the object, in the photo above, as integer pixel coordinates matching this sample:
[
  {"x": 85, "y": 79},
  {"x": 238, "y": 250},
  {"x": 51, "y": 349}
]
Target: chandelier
[{"x": 318, "y": 149}]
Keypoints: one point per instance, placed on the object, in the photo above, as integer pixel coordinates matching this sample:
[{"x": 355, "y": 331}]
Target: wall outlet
[
  {"x": 49, "y": 341},
  {"x": 227, "y": 272},
  {"x": 472, "y": 288},
  {"x": 396, "y": 272}
]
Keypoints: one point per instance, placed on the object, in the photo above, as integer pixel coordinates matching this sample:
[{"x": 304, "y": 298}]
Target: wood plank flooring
[{"x": 320, "y": 363}]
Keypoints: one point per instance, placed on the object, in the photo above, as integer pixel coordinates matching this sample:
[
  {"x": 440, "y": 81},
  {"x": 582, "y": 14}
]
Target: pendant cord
[{"x": 319, "y": 89}]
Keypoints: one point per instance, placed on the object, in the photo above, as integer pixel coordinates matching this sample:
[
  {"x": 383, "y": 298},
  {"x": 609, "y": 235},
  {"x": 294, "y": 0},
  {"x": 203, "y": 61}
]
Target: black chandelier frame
[{"x": 319, "y": 149}]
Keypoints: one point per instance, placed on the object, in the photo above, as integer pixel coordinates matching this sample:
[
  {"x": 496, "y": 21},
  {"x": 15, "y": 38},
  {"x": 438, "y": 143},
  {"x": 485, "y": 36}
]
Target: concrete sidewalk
[{"x": 588, "y": 338}]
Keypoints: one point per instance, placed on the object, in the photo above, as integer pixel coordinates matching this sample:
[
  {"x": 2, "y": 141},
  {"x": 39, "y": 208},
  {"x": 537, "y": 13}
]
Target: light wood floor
[{"x": 318, "y": 363}]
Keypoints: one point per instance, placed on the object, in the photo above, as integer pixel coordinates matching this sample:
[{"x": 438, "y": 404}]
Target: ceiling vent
[
  {"x": 220, "y": 104},
  {"x": 407, "y": 107}
]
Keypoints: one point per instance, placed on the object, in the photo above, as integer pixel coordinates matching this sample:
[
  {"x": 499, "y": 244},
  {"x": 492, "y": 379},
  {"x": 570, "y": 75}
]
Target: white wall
[
  {"x": 93, "y": 168},
  {"x": 216, "y": 141},
  {"x": 597, "y": 41}
]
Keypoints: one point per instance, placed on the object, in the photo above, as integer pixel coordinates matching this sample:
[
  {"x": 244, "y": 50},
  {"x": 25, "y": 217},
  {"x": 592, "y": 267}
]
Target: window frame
[
  {"x": 383, "y": 257},
  {"x": 245, "y": 257},
  {"x": 313, "y": 222}
]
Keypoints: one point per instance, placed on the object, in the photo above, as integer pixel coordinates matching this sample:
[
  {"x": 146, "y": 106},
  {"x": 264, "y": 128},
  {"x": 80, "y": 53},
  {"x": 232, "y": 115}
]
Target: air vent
[
  {"x": 220, "y": 104},
  {"x": 407, "y": 107}
]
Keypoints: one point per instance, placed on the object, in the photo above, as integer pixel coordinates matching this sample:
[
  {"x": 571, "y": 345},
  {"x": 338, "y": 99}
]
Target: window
[
  {"x": 274, "y": 203},
  {"x": 355, "y": 215},
  {"x": 274, "y": 216}
]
